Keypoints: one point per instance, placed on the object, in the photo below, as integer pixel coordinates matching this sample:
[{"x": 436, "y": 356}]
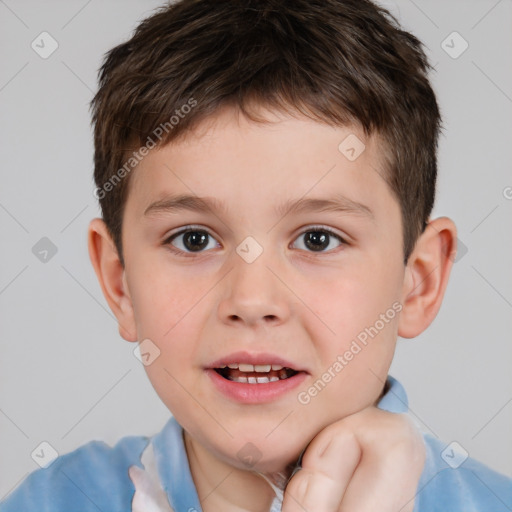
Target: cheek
[
  {"x": 362, "y": 309},
  {"x": 351, "y": 300},
  {"x": 169, "y": 312},
  {"x": 162, "y": 297},
  {"x": 353, "y": 370}
]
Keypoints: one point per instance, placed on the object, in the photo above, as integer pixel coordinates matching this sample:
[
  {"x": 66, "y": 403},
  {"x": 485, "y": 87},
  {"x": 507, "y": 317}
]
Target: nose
[{"x": 254, "y": 295}]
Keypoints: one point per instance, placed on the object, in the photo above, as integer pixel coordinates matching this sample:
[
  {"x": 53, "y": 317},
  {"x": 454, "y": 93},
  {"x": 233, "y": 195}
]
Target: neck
[{"x": 227, "y": 488}]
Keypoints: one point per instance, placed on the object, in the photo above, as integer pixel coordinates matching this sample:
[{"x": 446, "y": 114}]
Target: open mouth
[{"x": 255, "y": 374}]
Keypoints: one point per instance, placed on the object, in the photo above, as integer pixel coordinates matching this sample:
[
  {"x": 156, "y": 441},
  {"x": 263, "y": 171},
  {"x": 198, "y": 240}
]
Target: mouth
[
  {"x": 255, "y": 378},
  {"x": 255, "y": 373}
]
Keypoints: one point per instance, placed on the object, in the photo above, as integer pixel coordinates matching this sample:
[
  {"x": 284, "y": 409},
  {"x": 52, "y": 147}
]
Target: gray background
[{"x": 67, "y": 377}]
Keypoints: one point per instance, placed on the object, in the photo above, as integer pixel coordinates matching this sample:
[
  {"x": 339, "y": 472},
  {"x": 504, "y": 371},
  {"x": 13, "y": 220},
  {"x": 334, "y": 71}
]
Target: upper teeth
[{"x": 263, "y": 368}]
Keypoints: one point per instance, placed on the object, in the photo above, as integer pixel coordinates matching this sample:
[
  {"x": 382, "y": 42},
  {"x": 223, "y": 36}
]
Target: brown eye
[
  {"x": 191, "y": 240},
  {"x": 318, "y": 240}
]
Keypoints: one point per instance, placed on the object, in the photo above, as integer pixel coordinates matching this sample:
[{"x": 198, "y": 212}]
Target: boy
[{"x": 266, "y": 172}]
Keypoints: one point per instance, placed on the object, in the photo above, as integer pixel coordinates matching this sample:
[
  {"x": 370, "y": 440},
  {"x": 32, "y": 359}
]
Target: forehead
[{"x": 232, "y": 159}]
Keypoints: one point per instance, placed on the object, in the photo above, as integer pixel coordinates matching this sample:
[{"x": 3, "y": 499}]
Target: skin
[{"x": 304, "y": 305}]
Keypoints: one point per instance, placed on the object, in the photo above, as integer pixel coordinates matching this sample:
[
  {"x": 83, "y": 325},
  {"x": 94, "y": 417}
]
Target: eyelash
[{"x": 187, "y": 229}]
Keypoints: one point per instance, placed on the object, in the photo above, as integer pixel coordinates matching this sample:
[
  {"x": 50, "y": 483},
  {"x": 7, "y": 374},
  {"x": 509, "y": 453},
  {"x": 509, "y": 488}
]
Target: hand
[{"x": 369, "y": 461}]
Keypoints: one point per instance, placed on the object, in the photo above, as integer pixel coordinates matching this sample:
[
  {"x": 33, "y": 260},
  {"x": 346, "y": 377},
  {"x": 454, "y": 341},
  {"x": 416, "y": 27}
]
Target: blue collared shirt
[{"x": 96, "y": 477}]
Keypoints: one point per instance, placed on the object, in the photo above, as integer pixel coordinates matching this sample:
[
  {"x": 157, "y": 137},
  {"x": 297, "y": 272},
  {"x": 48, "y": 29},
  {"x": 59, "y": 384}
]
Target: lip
[
  {"x": 261, "y": 358},
  {"x": 255, "y": 393}
]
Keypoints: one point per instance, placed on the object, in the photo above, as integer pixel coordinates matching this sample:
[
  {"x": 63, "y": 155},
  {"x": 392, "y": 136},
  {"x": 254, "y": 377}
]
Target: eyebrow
[{"x": 186, "y": 202}]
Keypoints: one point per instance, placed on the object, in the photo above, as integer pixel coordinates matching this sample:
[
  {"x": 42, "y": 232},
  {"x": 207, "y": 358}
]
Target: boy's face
[{"x": 303, "y": 300}]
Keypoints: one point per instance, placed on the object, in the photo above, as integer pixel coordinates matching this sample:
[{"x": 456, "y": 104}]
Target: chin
[{"x": 270, "y": 458}]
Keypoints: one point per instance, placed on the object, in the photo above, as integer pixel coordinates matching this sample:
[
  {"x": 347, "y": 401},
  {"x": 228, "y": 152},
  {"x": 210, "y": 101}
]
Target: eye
[
  {"x": 317, "y": 239},
  {"x": 196, "y": 240},
  {"x": 191, "y": 240}
]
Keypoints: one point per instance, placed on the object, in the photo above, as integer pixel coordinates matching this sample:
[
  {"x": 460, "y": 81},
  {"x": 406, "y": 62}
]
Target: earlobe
[
  {"x": 111, "y": 276},
  {"x": 426, "y": 276}
]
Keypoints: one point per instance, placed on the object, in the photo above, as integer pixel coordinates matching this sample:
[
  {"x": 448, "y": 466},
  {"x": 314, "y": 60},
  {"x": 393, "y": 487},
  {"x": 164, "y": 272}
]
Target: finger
[
  {"x": 387, "y": 476},
  {"x": 327, "y": 467}
]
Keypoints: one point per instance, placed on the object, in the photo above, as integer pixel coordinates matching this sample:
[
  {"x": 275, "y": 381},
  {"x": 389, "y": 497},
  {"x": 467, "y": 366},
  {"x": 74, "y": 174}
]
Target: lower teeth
[{"x": 252, "y": 379}]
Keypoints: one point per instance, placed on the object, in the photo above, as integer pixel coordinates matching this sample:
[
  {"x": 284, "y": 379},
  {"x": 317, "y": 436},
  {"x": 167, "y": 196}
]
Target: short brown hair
[{"x": 336, "y": 61}]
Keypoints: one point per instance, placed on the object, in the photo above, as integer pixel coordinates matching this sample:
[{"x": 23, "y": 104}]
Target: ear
[
  {"x": 426, "y": 276},
  {"x": 111, "y": 276}
]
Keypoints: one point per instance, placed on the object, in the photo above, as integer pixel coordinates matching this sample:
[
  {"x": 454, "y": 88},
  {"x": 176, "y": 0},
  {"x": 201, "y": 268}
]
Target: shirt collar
[
  {"x": 174, "y": 468},
  {"x": 395, "y": 397}
]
